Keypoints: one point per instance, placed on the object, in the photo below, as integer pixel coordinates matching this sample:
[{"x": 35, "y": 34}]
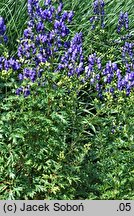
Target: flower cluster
[
  {"x": 113, "y": 73},
  {"x": 89, "y": 70},
  {"x": 100, "y": 77},
  {"x": 128, "y": 60},
  {"x": 7, "y": 64},
  {"x": 128, "y": 52},
  {"x": 73, "y": 59},
  {"x": 104, "y": 79},
  {"x": 109, "y": 72},
  {"x": 123, "y": 21},
  {"x": 126, "y": 82},
  {"x": 2, "y": 30},
  {"x": 92, "y": 72},
  {"x": 23, "y": 90},
  {"x": 98, "y": 10},
  {"x": 43, "y": 39}
]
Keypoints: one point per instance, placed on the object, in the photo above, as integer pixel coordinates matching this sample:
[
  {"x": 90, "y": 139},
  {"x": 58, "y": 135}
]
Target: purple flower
[
  {"x": 92, "y": 80},
  {"x": 113, "y": 131},
  {"x": 128, "y": 90},
  {"x": 19, "y": 90},
  {"x": 26, "y": 92},
  {"x": 98, "y": 76},
  {"x": 14, "y": 64},
  {"x": 32, "y": 4},
  {"x": 97, "y": 87},
  {"x": 40, "y": 26},
  {"x": 112, "y": 90},
  {"x": 73, "y": 58},
  {"x": 40, "y": 73},
  {"x": 66, "y": 44},
  {"x": 123, "y": 21},
  {"x": 1, "y": 22},
  {"x": 98, "y": 10},
  {"x": 47, "y": 2},
  {"x": 6, "y": 65},
  {"x": 57, "y": 24},
  {"x": 3, "y": 30},
  {"x": 29, "y": 7},
  {"x": 92, "y": 19},
  {"x": 114, "y": 66},
  {"x": 20, "y": 77},
  {"x": 70, "y": 16},
  {"x": 2, "y": 26},
  {"x": 64, "y": 15},
  {"x": 5, "y": 38},
  {"x": 27, "y": 32},
  {"x": 60, "y": 7}
]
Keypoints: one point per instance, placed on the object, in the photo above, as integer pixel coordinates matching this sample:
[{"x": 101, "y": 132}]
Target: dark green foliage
[
  {"x": 114, "y": 149},
  {"x": 41, "y": 145},
  {"x": 50, "y": 149}
]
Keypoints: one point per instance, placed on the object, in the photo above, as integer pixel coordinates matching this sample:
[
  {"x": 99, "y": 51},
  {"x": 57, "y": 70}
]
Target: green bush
[
  {"x": 113, "y": 152},
  {"x": 41, "y": 147}
]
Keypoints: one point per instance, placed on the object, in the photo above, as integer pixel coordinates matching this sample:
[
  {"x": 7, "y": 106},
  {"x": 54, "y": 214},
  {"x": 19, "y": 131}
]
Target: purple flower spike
[
  {"x": 3, "y": 30},
  {"x": 98, "y": 10},
  {"x": 123, "y": 22},
  {"x": 60, "y": 7}
]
